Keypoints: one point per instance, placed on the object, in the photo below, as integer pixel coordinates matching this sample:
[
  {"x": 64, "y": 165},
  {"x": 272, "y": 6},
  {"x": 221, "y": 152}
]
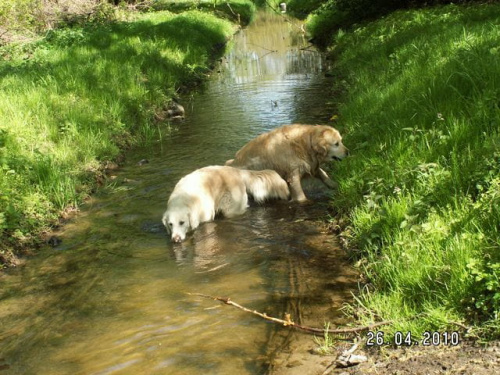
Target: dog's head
[
  {"x": 328, "y": 144},
  {"x": 177, "y": 223}
]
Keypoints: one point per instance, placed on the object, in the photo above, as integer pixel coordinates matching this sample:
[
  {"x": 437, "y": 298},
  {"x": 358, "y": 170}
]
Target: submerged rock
[{"x": 175, "y": 111}]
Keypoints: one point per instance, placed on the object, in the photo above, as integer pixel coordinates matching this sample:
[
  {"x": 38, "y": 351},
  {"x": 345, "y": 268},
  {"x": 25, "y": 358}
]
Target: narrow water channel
[{"x": 113, "y": 298}]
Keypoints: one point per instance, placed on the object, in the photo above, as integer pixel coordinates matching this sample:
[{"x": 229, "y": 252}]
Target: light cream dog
[
  {"x": 200, "y": 195},
  {"x": 294, "y": 151}
]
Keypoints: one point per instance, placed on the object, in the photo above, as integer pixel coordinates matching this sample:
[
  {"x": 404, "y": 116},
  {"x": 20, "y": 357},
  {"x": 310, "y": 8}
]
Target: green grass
[
  {"x": 325, "y": 344},
  {"x": 240, "y": 11},
  {"x": 421, "y": 192},
  {"x": 76, "y": 98}
]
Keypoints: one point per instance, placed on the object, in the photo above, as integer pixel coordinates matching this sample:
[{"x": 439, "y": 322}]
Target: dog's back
[
  {"x": 291, "y": 147},
  {"x": 228, "y": 183},
  {"x": 282, "y": 150}
]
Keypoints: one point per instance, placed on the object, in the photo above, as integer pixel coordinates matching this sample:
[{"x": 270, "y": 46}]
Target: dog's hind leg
[
  {"x": 323, "y": 176},
  {"x": 236, "y": 205}
]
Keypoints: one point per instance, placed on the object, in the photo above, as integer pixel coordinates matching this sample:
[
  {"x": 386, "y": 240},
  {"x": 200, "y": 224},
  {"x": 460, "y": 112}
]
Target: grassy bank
[
  {"x": 73, "y": 100},
  {"x": 238, "y": 11},
  {"x": 420, "y": 197}
]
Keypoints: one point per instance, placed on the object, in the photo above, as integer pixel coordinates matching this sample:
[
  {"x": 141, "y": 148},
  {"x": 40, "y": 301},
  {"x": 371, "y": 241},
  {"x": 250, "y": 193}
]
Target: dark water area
[{"x": 112, "y": 298}]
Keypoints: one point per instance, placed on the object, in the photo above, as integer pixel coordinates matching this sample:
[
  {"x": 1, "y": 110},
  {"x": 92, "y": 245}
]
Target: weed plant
[
  {"x": 421, "y": 192},
  {"x": 73, "y": 100},
  {"x": 324, "y": 345}
]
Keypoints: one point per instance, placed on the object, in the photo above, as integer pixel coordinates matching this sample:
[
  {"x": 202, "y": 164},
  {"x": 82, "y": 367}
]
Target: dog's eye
[
  {"x": 181, "y": 223},
  {"x": 337, "y": 144},
  {"x": 170, "y": 224}
]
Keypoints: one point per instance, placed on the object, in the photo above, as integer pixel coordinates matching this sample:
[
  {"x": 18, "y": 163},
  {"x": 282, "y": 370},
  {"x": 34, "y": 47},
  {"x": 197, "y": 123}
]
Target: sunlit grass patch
[{"x": 422, "y": 118}]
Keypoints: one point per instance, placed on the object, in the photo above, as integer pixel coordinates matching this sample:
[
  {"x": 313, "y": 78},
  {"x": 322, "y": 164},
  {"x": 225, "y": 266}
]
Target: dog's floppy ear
[
  {"x": 319, "y": 142},
  {"x": 193, "y": 221},
  {"x": 165, "y": 222}
]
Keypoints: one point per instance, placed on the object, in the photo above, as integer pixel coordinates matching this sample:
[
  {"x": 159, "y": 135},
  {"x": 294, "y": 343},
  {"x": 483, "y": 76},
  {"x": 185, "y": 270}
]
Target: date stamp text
[{"x": 428, "y": 338}]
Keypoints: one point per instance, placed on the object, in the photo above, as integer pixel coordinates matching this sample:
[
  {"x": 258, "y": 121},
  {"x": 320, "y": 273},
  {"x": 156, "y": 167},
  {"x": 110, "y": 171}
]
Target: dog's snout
[
  {"x": 176, "y": 238},
  {"x": 347, "y": 151}
]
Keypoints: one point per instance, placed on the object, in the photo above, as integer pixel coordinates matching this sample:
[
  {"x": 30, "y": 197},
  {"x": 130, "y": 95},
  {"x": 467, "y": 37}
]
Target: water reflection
[
  {"x": 112, "y": 298},
  {"x": 275, "y": 48}
]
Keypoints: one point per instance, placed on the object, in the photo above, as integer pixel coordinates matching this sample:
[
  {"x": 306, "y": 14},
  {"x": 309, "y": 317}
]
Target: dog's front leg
[
  {"x": 296, "y": 188},
  {"x": 323, "y": 176}
]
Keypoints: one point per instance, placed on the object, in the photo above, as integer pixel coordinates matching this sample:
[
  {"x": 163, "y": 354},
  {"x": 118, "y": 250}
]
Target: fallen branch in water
[{"x": 287, "y": 322}]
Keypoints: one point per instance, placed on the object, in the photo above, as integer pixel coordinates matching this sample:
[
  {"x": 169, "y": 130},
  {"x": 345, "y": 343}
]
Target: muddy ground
[{"x": 466, "y": 358}]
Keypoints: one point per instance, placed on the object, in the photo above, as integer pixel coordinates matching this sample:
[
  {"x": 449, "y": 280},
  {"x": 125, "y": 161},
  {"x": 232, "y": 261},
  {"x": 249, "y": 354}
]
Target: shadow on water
[{"x": 112, "y": 297}]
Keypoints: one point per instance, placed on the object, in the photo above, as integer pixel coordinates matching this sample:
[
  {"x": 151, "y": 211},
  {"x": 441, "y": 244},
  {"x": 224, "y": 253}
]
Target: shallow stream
[{"x": 112, "y": 297}]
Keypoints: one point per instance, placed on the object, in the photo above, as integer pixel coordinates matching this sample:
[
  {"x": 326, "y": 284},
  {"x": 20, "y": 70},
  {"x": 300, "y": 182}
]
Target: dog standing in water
[
  {"x": 294, "y": 151},
  {"x": 200, "y": 195}
]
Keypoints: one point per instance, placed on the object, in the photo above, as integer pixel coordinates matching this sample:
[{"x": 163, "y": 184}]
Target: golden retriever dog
[
  {"x": 294, "y": 151},
  {"x": 202, "y": 194}
]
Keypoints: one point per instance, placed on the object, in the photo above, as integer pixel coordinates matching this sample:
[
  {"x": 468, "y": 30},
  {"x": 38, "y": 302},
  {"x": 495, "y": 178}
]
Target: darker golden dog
[{"x": 294, "y": 151}]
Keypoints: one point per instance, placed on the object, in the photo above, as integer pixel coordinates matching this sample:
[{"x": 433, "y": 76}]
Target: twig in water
[
  {"x": 287, "y": 322},
  {"x": 267, "y": 49},
  {"x": 265, "y": 54}
]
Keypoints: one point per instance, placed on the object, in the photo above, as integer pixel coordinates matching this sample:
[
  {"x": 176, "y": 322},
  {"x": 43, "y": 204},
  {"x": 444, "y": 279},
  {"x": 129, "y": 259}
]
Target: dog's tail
[
  {"x": 266, "y": 184},
  {"x": 229, "y": 162}
]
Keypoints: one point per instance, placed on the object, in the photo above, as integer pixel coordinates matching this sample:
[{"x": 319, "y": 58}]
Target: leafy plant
[{"x": 484, "y": 300}]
